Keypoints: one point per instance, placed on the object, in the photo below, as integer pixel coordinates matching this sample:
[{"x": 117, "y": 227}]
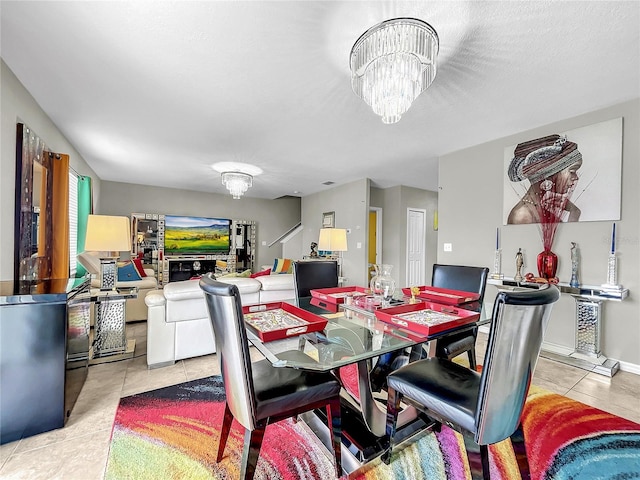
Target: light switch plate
[{"x": 448, "y": 247}]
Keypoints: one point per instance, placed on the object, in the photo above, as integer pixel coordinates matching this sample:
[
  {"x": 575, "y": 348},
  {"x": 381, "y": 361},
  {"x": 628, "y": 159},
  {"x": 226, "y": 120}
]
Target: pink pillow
[{"x": 260, "y": 274}]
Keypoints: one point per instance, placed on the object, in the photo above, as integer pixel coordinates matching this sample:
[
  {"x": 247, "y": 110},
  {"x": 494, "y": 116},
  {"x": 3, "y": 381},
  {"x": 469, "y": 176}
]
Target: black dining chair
[
  {"x": 258, "y": 394},
  {"x": 486, "y": 405},
  {"x": 312, "y": 274},
  {"x": 467, "y": 279}
]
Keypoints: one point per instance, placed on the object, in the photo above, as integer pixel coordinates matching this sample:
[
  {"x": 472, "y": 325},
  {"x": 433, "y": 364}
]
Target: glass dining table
[{"x": 351, "y": 344}]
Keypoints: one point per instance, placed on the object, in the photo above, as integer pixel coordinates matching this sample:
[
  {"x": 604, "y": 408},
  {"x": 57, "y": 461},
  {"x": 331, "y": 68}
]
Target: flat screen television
[{"x": 196, "y": 235}]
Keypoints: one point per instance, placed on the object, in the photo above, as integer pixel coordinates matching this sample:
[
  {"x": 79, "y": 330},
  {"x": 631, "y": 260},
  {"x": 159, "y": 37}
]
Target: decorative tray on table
[
  {"x": 331, "y": 298},
  {"x": 278, "y": 320},
  {"x": 443, "y": 295},
  {"x": 427, "y": 318}
]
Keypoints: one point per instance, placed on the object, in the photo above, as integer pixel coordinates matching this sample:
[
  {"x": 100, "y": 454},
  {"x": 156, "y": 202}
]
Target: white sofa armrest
[
  {"x": 160, "y": 333},
  {"x": 150, "y": 272}
]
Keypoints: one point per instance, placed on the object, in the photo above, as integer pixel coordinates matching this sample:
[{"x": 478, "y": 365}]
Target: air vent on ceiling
[{"x": 328, "y": 183}]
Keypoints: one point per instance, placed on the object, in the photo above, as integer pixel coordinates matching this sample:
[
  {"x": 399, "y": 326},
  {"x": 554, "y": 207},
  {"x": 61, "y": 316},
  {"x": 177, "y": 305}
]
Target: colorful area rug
[{"x": 172, "y": 433}]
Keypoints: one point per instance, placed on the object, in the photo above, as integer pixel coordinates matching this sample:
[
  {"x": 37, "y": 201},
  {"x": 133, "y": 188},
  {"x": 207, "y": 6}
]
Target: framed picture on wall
[
  {"x": 577, "y": 174},
  {"x": 328, "y": 219}
]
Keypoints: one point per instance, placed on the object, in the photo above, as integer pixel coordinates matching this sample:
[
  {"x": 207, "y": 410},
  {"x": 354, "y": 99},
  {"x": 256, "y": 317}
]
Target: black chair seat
[
  {"x": 441, "y": 386},
  {"x": 281, "y": 390}
]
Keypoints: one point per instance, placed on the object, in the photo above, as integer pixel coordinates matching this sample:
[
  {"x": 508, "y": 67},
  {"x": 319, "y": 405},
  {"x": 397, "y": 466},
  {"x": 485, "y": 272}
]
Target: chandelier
[
  {"x": 392, "y": 63},
  {"x": 237, "y": 177},
  {"x": 237, "y": 183}
]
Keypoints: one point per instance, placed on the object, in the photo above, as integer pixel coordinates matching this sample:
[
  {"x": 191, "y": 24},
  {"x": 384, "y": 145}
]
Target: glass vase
[
  {"x": 383, "y": 286},
  {"x": 547, "y": 264}
]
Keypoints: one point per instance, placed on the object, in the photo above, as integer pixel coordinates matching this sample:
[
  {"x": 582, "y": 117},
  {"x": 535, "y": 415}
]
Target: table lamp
[
  {"x": 108, "y": 235},
  {"x": 334, "y": 240}
]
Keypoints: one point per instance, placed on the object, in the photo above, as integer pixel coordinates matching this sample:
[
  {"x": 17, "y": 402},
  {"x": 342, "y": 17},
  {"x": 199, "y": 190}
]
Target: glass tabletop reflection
[{"x": 349, "y": 337}]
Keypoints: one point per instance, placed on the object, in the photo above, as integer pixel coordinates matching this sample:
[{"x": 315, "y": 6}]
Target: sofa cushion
[
  {"x": 127, "y": 272},
  {"x": 90, "y": 261},
  {"x": 260, "y": 274},
  {"x": 276, "y": 282},
  {"x": 139, "y": 267},
  {"x": 282, "y": 265},
  {"x": 245, "y": 285}
]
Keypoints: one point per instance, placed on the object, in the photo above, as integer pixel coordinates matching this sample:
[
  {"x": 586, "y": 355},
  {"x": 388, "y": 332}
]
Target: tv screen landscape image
[{"x": 196, "y": 235}]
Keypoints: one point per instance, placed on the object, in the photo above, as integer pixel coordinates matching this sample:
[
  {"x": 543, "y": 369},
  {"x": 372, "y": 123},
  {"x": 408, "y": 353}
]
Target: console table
[{"x": 587, "y": 353}]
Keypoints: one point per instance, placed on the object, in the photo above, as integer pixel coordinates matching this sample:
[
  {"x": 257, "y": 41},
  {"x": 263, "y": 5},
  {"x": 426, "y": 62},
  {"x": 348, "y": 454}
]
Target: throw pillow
[
  {"x": 137, "y": 262},
  {"x": 128, "y": 273},
  {"x": 260, "y": 274},
  {"x": 282, "y": 265},
  {"x": 245, "y": 274}
]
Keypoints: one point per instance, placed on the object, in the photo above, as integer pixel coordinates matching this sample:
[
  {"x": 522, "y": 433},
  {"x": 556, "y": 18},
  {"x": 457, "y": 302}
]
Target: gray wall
[
  {"x": 471, "y": 183},
  {"x": 273, "y": 217},
  {"x": 350, "y": 203},
  {"x": 394, "y": 202},
  {"x": 18, "y": 106}
]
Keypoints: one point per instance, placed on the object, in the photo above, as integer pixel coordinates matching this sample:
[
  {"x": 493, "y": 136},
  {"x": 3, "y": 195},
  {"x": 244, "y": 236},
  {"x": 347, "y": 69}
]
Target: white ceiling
[{"x": 155, "y": 92}]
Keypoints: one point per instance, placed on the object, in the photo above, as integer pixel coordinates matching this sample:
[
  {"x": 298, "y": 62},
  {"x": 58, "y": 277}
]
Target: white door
[{"x": 416, "y": 240}]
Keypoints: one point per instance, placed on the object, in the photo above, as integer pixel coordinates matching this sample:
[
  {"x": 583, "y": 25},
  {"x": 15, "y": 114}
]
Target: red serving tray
[
  {"x": 459, "y": 317},
  {"x": 336, "y": 295},
  {"x": 328, "y": 306},
  {"x": 443, "y": 295},
  {"x": 312, "y": 322}
]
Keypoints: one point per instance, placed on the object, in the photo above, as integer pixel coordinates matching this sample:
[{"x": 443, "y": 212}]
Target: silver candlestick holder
[
  {"x": 497, "y": 265},
  {"x": 612, "y": 274}
]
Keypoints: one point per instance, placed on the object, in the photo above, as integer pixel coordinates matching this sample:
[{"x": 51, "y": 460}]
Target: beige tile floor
[{"x": 79, "y": 450}]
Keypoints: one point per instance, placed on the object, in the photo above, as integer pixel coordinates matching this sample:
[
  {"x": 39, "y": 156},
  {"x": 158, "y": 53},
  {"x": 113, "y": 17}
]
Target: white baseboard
[
  {"x": 630, "y": 367},
  {"x": 562, "y": 350}
]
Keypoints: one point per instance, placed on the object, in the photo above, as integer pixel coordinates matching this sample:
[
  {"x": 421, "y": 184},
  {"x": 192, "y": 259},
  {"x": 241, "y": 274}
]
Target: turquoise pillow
[{"x": 128, "y": 273}]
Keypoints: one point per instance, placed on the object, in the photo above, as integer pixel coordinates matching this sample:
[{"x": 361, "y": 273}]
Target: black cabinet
[
  {"x": 44, "y": 354},
  {"x": 184, "y": 269}
]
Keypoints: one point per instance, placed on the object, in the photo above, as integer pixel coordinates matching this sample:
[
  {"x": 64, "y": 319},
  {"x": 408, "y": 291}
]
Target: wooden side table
[{"x": 109, "y": 336}]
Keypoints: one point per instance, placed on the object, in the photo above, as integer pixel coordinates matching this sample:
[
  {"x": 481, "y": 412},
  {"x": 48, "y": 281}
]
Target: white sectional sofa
[{"x": 178, "y": 324}]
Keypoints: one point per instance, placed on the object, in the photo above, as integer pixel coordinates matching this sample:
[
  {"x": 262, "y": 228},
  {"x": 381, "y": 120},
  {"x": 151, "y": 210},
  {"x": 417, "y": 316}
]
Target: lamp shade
[
  {"x": 106, "y": 233},
  {"x": 333, "y": 239}
]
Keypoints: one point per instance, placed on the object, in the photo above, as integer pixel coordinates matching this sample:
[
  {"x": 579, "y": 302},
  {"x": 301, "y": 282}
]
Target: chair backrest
[
  {"x": 232, "y": 348},
  {"x": 314, "y": 274},
  {"x": 515, "y": 337},
  {"x": 461, "y": 277}
]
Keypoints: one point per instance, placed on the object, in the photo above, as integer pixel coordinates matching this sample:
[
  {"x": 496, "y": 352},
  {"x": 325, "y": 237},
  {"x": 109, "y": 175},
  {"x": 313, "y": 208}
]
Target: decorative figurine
[
  {"x": 574, "y": 265},
  {"x": 519, "y": 263},
  {"x": 314, "y": 250}
]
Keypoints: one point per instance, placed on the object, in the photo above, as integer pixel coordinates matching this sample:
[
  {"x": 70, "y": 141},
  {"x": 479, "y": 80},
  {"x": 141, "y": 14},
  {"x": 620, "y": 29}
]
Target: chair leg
[
  {"x": 393, "y": 405},
  {"x": 251, "y": 450},
  {"x": 484, "y": 457},
  {"x": 335, "y": 425},
  {"x": 224, "y": 432},
  {"x": 472, "y": 357},
  {"x": 475, "y": 457}
]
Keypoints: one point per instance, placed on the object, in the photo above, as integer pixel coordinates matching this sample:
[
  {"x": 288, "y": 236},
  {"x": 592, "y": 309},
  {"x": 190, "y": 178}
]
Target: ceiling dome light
[{"x": 392, "y": 63}]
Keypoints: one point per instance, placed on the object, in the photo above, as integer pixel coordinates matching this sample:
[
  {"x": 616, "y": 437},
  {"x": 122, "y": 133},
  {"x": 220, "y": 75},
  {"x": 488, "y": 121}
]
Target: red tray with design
[
  {"x": 337, "y": 295},
  {"x": 278, "y": 320},
  {"x": 427, "y": 318},
  {"x": 443, "y": 295}
]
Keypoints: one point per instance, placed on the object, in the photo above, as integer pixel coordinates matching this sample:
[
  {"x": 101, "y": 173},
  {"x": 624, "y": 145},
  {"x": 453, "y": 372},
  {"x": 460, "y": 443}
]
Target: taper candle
[
  {"x": 497, "y": 238},
  {"x": 613, "y": 239}
]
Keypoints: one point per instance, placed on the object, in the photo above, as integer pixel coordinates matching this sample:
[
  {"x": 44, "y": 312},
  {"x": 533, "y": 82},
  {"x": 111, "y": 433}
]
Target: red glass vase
[{"x": 547, "y": 264}]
